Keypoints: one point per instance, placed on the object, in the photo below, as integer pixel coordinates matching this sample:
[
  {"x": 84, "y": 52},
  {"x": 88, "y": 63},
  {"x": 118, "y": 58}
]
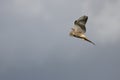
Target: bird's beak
[
  {"x": 70, "y": 34},
  {"x": 72, "y": 29}
]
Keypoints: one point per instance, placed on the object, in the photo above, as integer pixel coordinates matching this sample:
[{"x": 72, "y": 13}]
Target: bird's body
[{"x": 79, "y": 29}]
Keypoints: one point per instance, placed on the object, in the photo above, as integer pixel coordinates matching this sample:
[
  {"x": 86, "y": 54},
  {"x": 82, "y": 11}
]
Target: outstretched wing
[{"x": 80, "y": 24}]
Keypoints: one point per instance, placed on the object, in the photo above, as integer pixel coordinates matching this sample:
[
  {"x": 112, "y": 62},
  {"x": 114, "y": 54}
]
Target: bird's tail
[{"x": 89, "y": 41}]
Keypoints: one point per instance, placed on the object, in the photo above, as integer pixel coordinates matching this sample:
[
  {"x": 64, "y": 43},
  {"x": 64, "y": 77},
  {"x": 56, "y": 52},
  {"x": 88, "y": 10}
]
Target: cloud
[
  {"x": 28, "y": 7},
  {"x": 35, "y": 41},
  {"x": 107, "y": 24}
]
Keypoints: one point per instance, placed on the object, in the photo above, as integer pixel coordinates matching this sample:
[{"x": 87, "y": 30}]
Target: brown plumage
[{"x": 79, "y": 29}]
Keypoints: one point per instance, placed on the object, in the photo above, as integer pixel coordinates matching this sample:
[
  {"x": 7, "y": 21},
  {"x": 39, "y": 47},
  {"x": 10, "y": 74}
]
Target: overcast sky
[{"x": 35, "y": 42}]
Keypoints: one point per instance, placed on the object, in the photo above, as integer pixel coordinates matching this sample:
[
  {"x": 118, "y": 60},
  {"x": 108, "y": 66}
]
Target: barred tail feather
[{"x": 89, "y": 41}]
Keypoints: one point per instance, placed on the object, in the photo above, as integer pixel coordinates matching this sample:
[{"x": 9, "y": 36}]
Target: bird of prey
[{"x": 79, "y": 29}]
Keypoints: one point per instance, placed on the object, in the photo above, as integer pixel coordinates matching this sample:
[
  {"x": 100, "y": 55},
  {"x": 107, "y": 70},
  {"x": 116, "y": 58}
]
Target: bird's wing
[{"x": 80, "y": 23}]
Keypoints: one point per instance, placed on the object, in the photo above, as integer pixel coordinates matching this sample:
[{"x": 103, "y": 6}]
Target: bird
[{"x": 79, "y": 29}]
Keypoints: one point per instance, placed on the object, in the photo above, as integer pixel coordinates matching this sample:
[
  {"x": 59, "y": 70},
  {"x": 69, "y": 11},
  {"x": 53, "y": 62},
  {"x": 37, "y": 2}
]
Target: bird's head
[{"x": 72, "y": 32}]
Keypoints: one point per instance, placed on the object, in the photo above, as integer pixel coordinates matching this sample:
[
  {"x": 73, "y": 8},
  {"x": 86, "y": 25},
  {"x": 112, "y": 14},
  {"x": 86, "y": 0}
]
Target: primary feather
[{"x": 79, "y": 24}]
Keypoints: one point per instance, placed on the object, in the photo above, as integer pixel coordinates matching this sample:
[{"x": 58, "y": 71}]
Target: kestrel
[{"x": 79, "y": 29}]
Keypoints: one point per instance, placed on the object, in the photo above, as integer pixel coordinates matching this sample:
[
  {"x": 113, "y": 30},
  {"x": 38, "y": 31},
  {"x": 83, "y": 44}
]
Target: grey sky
[{"x": 35, "y": 42}]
